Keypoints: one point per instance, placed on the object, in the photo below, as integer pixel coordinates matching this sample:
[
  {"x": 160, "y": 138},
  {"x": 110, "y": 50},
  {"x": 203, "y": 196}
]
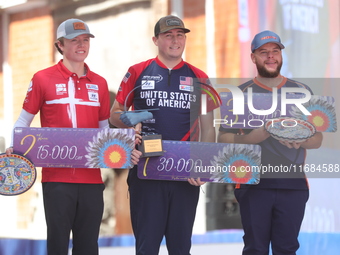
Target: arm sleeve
[
  {"x": 25, "y": 119},
  {"x": 104, "y": 124}
]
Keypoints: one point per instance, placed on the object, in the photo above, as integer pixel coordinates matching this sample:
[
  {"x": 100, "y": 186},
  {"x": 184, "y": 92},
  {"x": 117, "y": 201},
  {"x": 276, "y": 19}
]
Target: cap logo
[
  {"x": 173, "y": 22},
  {"x": 268, "y": 37},
  {"x": 79, "y": 26}
]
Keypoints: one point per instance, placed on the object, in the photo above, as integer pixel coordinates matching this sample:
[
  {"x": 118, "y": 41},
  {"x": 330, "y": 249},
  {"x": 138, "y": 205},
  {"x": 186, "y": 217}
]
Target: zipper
[{"x": 169, "y": 76}]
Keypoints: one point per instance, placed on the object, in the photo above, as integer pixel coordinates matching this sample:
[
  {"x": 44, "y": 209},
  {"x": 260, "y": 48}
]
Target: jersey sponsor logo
[
  {"x": 30, "y": 87},
  {"x": 268, "y": 37},
  {"x": 147, "y": 84},
  {"x": 60, "y": 89},
  {"x": 186, "y": 88},
  {"x": 156, "y": 78},
  {"x": 184, "y": 80},
  {"x": 149, "y": 121},
  {"x": 93, "y": 96},
  {"x": 126, "y": 77},
  {"x": 92, "y": 86}
]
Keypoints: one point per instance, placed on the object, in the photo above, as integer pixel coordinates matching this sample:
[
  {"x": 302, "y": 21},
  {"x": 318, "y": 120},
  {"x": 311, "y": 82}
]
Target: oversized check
[
  {"x": 211, "y": 162},
  {"x": 76, "y": 147}
]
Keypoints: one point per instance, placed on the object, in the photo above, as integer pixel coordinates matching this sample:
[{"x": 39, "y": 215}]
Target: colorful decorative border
[
  {"x": 17, "y": 174},
  {"x": 322, "y": 109},
  {"x": 110, "y": 150},
  {"x": 290, "y": 129}
]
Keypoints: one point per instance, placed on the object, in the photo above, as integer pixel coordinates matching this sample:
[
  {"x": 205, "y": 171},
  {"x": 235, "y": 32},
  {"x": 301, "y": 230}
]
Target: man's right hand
[{"x": 133, "y": 118}]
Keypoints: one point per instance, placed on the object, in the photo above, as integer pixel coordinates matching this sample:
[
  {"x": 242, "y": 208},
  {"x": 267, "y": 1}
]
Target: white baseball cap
[{"x": 71, "y": 28}]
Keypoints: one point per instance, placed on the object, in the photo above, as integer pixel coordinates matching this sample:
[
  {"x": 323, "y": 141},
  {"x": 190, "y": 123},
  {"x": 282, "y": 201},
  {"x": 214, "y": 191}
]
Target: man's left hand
[{"x": 195, "y": 181}]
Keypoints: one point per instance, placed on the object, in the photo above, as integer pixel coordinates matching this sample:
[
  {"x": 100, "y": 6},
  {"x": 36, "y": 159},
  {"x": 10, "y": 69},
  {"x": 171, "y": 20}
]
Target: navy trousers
[
  {"x": 73, "y": 207},
  {"x": 162, "y": 208},
  {"x": 271, "y": 217}
]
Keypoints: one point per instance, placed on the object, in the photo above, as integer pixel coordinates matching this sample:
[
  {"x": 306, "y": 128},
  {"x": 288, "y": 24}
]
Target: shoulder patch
[{"x": 126, "y": 77}]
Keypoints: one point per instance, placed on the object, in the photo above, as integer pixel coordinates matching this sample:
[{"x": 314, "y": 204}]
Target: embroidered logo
[
  {"x": 93, "y": 96},
  {"x": 92, "y": 86},
  {"x": 30, "y": 87},
  {"x": 156, "y": 78},
  {"x": 60, "y": 89},
  {"x": 147, "y": 84},
  {"x": 186, "y": 88}
]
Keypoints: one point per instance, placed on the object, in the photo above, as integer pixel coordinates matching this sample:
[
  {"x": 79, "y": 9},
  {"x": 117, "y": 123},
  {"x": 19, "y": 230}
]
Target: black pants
[
  {"x": 73, "y": 207},
  {"x": 271, "y": 217},
  {"x": 162, "y": 208}
]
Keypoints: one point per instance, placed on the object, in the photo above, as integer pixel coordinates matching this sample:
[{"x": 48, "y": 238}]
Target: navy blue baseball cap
[{"x": 265, "y": 37}]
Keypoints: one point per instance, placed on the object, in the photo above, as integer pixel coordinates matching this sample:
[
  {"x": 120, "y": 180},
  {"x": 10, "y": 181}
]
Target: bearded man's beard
[{"x": 268, "y": 74}]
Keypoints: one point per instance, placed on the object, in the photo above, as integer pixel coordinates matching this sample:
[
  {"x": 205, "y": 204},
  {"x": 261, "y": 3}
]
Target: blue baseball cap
[{"x": 265, "y": 37}]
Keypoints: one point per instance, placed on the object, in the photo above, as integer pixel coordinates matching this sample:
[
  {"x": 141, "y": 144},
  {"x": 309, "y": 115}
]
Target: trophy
[{"x": 151, "y": 142}]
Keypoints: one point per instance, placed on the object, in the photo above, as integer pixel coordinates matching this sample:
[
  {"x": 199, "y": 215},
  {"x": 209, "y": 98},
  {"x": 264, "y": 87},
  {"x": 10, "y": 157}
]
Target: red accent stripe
[{"x": 192, "y": 129}]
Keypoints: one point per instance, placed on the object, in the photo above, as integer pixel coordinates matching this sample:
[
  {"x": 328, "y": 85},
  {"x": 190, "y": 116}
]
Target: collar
[
  {"x": 283, "y": 81},
  {"x": 178, "y": 66},
  {"x": 67, "y": 73}
]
